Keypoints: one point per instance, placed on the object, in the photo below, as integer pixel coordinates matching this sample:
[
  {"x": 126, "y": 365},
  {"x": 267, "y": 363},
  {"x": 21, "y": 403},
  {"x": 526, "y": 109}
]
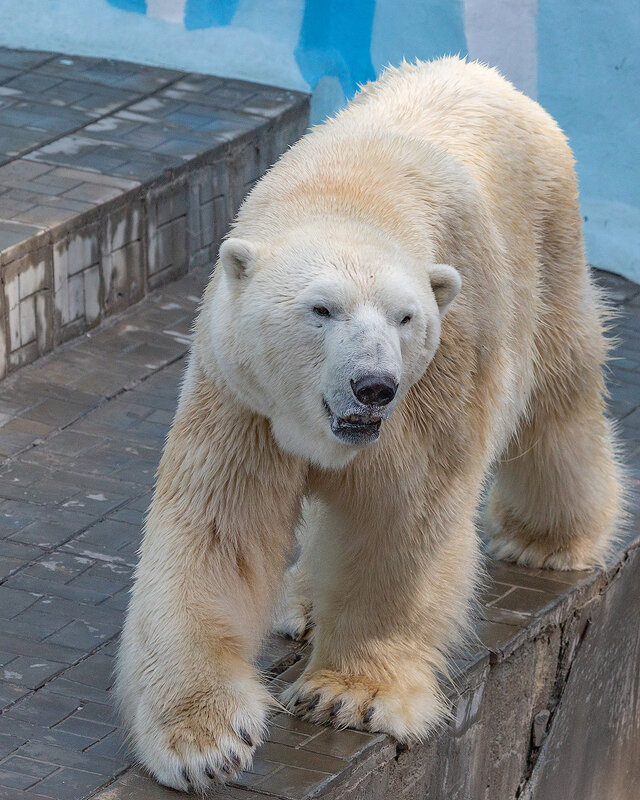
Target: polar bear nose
[{"x": 374, "y": 390}]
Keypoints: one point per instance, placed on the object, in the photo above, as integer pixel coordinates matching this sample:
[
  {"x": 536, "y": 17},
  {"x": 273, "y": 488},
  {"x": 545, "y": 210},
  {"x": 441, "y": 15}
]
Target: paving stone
[
  {"x": 61, "y": 567},
  {"x": 31, "y": 626},
  {"x": 32, "y": 732},
  {"x": 44, "y": 708},
  {"x": 128, "y": 515},
  {"x": 9, "y": 744},
  {"x": 109, "y": 534},
  {"x": 15, "y": 780},
  {"x": 13, "y": 601},
  {"x": 15, "y": 142},
  {"x": 23, "y": 59},
  {"x": 124, "y": 75},
  {"x": 80, "y": 594},
  {"x": 50, "y": 119},
  {"x": 85, "y": 727},
  {"x": 294, "y": 783},
  {"x": 15, "y": 514},
  {"x": 27, "y": 766},
  {"x": 18, "y": 551},
  {"x": 83, "y": 636},
  {"x": 30, "y": 83},
  {"x": 67, "y": 610},
  {"x": 71, "y": 784},
  {"x": 341, "y": 744},
  {"x": 5, "y": 658},
  {"x": 16, "y": 794},
  {"x": 97, "y": 670},
  {"x": 137, "y": 785},
  {"x": 59, "y": 756},
  {"x": 81, "y": 692},
  {"x": 13, "y": 232},
  {"x": 31, "y": 672},
  {"x": 25, "y": 647},
  {"x": 120, "y": 600},
  {"x": 523, "y": 601},
  {"x": 11, "y": 693},
  {"x": 97, "y": 712},
  {"x": 47, "y": 534},
  {"x": 113, "y": 746}
]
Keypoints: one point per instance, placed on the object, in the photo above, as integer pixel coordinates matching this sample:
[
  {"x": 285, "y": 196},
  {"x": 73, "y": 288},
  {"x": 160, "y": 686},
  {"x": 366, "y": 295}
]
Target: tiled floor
[
  {"x": 81, "y": 440},
  {"x": 53, "y": 109},
  {"x": 82, "y": 430},
  {"x": 117, "y": 113}
]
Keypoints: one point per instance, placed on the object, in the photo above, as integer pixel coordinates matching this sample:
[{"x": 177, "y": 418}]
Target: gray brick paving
[
  {"x": 81, "y": 443},
  {"x": 73, "y": 490}
]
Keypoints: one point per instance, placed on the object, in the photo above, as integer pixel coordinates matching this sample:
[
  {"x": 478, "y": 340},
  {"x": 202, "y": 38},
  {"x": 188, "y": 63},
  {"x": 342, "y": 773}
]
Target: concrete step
[
  {"x": 544, "y": 706},
  {"x": 116, "y": 178}
]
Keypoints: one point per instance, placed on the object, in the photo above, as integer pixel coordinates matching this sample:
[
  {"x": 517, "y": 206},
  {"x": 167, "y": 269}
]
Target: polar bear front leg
[
  {"x": 391, "y": 589},
  {"x": 212, "y": 558}
]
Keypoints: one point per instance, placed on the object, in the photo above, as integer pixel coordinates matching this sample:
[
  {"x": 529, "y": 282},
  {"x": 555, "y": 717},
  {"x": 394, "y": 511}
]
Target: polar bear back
[{"x": 465, "y": 132}]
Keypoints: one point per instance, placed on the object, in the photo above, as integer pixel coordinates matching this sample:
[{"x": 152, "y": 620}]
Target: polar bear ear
[
  {"x": 237, "y": 256},
  {"x": 445, "y": 284}
]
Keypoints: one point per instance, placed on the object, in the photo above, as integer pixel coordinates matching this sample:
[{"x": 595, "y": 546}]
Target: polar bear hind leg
[
  {"x": 558, "y": 495},
  {"x": 557, "y": 498}
]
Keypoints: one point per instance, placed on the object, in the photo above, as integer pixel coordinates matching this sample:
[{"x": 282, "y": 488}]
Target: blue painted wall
[{"x": 580, "y": 58}]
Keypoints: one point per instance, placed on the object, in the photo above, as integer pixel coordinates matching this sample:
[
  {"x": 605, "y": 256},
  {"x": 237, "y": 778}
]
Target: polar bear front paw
[
  {"x": 349, "y": 701},
  {"x": 206, "y": 738}
]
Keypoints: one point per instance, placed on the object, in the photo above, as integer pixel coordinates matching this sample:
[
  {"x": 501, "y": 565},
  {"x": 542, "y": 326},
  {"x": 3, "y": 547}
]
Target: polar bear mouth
[{"x": 354, "y": 429}]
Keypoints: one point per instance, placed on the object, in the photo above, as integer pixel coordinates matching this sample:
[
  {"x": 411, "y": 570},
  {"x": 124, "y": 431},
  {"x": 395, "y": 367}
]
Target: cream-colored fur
[{"x": 435, "y": 174}]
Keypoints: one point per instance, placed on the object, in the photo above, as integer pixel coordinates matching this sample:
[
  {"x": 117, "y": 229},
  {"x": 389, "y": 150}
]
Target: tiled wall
[
  {"x": 90, "y": 223},
  {"x": 60, "y": 283}
]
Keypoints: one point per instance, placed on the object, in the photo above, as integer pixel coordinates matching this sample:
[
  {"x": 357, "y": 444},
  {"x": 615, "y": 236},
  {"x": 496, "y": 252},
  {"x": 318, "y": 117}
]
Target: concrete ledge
[
  {"x": 128, "y": 178},
  {"x": 545, "y": 705}
]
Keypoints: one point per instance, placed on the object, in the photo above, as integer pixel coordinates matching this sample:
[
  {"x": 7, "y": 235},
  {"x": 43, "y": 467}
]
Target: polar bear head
[{"x": 324, "y": 331}]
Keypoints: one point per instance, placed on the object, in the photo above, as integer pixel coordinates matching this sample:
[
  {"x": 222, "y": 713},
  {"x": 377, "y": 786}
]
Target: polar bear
[{"x": 401, "y": 309}]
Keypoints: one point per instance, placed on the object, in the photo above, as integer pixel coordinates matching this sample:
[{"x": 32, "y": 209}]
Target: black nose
[{"x": 375, "y": 390}]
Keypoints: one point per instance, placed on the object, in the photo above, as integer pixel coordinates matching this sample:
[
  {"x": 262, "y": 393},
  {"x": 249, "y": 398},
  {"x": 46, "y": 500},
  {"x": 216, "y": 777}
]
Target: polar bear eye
[
  {"x": 321, "y": 311},
  {"x": 406, "y": 319}
]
